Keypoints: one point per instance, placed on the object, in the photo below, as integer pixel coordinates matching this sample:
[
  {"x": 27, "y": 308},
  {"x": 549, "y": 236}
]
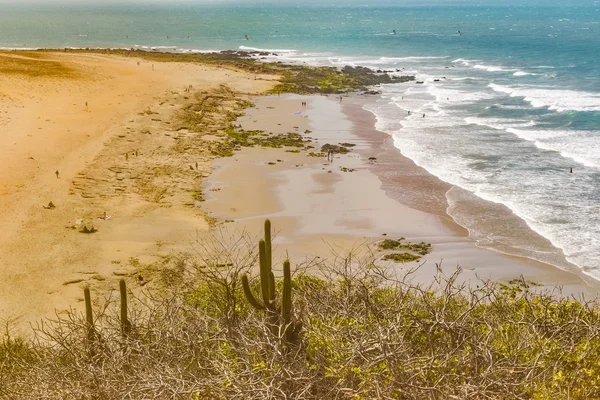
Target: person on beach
[
  {"x": 57, "y": 173},
  {"x": 330, "y": 155}
]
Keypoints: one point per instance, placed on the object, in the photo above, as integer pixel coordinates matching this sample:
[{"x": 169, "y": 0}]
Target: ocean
[{"x": 511, "y": 103}]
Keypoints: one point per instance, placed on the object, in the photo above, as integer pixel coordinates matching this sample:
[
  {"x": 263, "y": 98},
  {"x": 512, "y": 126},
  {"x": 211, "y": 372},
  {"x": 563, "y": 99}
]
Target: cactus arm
[
  {"x": 249, "y": 296},
  {"x": 272, "y": 286}
]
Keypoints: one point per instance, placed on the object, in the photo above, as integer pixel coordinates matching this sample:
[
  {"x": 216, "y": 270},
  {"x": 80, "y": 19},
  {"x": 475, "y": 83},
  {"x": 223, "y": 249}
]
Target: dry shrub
[{"x": 367, "y": 335}]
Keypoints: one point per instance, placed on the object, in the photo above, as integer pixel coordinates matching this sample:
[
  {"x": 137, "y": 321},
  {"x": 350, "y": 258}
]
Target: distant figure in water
[
  {"x": 459, "y": 33},
  {"x": 571, "y": 169},
  {"x": 409, "y": 113},
  {"x": 394, "y": 31},
  {"x": 246, "y": 36}
]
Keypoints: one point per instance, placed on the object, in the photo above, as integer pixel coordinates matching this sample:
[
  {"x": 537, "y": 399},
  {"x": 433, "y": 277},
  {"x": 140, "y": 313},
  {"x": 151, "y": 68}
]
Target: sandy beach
[
  {"x": 140, "y": 142},
  {"x": 115, "y": 129}
]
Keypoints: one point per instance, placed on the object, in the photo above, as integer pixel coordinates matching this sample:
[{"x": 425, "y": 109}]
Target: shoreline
[
  {"x": 430, "y": 194},
  {"x": 451, "y": 241}
]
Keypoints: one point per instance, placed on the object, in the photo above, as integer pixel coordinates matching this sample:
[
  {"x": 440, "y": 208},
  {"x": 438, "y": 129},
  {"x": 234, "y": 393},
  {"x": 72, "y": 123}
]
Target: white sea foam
[
  {"x": 499, "y": 123},
  {"x": 247, "y": 48},
  {"x": 522, "y": 73},
  {"x": 412, "y": 58},
  {"x": 493, "y": 68},
  {"x": 444, "y": 94},
  {"x": 555, "y": 99},
  {"x": 580, "y": 146},
  {"x": 508, "y": 107},
  {"x": 537, "y": 135},
  {"x": 465, "y": 62},
  {"x": 465, "y": 78},
  {"x": 585, "y": 152}
]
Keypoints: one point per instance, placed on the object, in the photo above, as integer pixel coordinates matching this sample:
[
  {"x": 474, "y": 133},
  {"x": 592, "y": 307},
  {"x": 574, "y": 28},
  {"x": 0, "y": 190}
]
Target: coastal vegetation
[
  {"x": 294, "y": 78},
  {"x": 10, "y": 64},
  {"x": 355, "y": 330},
  {"x": 397, "y": 244},
  {"x": 334, "y": 148},
  {"x": 401, "y": 257}
]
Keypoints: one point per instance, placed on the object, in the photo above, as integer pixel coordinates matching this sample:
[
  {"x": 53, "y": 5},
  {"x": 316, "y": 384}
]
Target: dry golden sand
[
  {"x": 46, "y": 126},
  {"x": 318, "y": 209}
]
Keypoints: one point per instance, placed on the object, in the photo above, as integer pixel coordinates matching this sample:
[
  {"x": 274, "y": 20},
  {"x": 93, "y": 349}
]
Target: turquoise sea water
[{"x": 516, "y": 106}]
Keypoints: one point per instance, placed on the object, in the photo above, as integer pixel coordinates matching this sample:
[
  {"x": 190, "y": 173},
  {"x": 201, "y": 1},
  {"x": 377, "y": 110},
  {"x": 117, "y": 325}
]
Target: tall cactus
[
  {"x": 125, "y": 324},
  {"x": 89, "y": 317},
  {"x": 281, "y": 319}
]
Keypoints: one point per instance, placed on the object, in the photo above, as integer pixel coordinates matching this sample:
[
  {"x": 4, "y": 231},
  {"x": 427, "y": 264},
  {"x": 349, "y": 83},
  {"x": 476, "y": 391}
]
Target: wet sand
[{"x": 316, "y": 207}]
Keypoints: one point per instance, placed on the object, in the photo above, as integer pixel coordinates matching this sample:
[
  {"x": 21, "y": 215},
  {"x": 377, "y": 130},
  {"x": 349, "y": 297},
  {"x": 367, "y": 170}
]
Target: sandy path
[{"x": 46, "y": 126}]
